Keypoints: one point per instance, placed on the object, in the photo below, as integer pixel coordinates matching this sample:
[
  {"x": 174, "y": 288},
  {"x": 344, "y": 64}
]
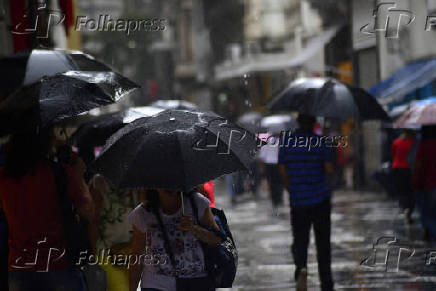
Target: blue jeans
[{"x": 59, "y": 280}]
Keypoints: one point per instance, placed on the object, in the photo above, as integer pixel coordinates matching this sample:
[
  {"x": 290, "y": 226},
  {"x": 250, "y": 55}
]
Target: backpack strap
[
  {"x": 195, "y": 213},
  {"x": 167, "y": 245}
]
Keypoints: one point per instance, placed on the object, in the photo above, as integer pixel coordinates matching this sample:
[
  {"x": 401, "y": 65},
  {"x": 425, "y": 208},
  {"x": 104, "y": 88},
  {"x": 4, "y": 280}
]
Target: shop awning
[
  {"x": 274, "y": 62},
  {"x": 411, "y": 77}
]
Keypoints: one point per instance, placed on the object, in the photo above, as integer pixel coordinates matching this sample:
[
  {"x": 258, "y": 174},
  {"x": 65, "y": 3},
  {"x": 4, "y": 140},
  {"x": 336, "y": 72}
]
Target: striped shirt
[{"x": 304, "y": 155}]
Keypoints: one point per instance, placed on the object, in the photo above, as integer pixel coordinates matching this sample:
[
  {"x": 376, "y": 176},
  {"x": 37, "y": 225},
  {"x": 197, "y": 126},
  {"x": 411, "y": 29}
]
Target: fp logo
[
  {"x": 388, "y": 19},
  {"x": 41, "y": 29},
  {"x": 388, "y": 254}
]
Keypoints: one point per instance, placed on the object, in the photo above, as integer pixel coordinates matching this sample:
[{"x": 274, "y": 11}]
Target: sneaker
[{"x": 302, "y": 280}]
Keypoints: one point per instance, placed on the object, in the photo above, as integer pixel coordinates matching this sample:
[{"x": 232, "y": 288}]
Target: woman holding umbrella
[
  {"x": 165, "y": 230},
  {"x": 172, "y": 153}
]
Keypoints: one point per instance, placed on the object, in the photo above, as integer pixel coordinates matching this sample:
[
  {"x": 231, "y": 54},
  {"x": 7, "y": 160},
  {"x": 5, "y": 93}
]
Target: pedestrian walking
[
  {"x": 424, "y": 177},
  {"x": 304, "y": 159},
  {"x": 269, "y": 156},
  {"x": 30, "y": 201},
  {"x": 402, "y": 173},
  {"x": 234, "y": 186},
  {"x": 164, "y": 231}
]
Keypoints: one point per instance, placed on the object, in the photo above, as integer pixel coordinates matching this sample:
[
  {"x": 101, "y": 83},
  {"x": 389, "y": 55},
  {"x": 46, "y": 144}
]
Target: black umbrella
[
  {"x": 96, "y": 131},
  {"x": 54, "y": 98},
  {"x": 175, "y": 150},
  {"x": 26, "y": 67},
  {"x": 328, "y": 98}
]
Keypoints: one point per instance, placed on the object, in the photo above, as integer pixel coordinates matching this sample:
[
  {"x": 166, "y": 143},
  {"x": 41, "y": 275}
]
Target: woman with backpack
[{"x": 167, "y": 242}]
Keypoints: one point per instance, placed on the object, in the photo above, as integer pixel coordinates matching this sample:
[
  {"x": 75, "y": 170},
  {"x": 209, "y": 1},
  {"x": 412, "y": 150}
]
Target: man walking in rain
[{"x": 305, "y": 159}]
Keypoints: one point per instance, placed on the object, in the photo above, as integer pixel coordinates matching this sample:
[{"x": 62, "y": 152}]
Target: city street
[
  {"x": 124, "y": 123},
  {"x": 358, "y": 220}
]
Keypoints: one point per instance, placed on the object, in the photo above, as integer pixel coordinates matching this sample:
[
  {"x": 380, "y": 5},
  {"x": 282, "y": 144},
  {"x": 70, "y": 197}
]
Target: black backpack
[
  {"x": 75, "y": 228},
  {"x": 221, "y": 262}
]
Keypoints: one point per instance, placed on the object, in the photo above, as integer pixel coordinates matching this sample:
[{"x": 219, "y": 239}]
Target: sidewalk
[{"x": 359, "y": 219}]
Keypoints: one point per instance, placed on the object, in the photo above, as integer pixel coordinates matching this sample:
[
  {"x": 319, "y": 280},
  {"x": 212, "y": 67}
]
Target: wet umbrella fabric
[
  {"x": 54, "y": 98},
  {"x": 26, "y": 67},
  {"x": 423, "y": 113},
  {"x": 175, "y": 150},
  {"x": 100, "y": 128},
  {"x": 174, "y": 104},
  {"x": 328, "y": 98}
]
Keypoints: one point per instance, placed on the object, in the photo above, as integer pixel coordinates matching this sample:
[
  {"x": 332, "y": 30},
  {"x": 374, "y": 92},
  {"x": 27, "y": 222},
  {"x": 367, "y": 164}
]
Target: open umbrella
[
  {"x": 174, "y": 104},
  {"x": 176, "y": 150},
  {"x": 100, "y": 128},
  {"x": 251, "y": 121},
  {"x": 26, "y": 67},
  {"x": 278, "y": 122},
  {"x": 422, "y": 113},
  {"x": 57, "y": 97},
  {"x": 328, "y": 98}
]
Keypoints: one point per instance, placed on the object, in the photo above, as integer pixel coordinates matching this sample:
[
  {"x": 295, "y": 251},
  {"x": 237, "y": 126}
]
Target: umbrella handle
[{"x": 183, "y": 204}]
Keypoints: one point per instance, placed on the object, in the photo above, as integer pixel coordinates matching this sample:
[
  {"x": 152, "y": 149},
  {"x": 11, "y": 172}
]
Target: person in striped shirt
[{"x": 305, "y": 160}]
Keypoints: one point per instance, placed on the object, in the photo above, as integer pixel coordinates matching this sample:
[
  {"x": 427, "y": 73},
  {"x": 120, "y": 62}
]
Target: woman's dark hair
[
  {"x": 25, "y": 151},
  {"x": 153, "y": 199}
]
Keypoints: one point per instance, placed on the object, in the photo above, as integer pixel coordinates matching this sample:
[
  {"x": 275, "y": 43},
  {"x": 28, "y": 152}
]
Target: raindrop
[{"x": 172, "y": 119}]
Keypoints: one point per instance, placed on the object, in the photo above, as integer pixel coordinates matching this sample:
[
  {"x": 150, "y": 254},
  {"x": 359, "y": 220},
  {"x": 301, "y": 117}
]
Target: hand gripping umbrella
[
  {"x": 57, "y": 97},
  {"x": 328, "y": 98},
  {"x": 175, "y": 150}
]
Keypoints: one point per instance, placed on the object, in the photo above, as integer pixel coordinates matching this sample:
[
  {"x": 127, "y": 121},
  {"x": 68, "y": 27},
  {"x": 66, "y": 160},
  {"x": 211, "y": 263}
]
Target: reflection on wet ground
[{"x": 401, "y": 260}]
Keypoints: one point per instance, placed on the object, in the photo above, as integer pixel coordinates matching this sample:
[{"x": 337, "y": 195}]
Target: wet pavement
[{"x": 373, "y": 248}]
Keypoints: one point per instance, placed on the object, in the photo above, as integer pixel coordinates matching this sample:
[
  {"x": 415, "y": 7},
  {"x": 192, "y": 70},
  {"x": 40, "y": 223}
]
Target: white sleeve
[{"x": 202, "y": 204}]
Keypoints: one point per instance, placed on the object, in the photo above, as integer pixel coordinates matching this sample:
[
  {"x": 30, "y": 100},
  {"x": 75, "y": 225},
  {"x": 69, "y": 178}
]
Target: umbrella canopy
[
  {"x": 100, "y": 128},
  {"x": 176, "y": 150},
  {"x": 57, "y": 97},
  {"x": 174, "y": 104},
  {"x": 251, "y": 121},
  {"x": 277, "y": 123},
  {"x": 422, "y": 113},
  {"x": 26, "y": 67},
  {"x": 328, "y": 98}
]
